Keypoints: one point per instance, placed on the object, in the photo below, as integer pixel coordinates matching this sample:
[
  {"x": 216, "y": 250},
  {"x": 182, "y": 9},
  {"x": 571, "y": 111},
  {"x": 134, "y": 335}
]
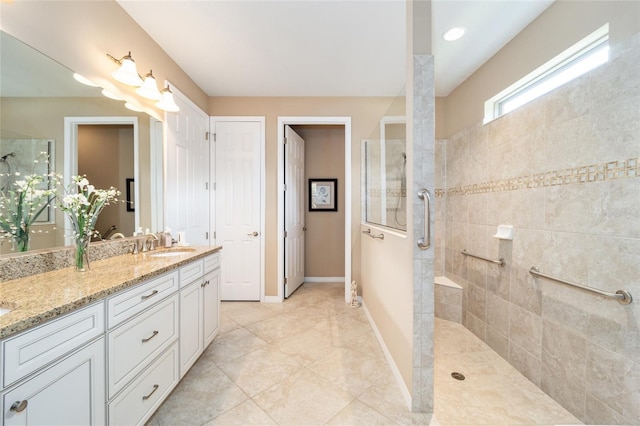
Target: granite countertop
[{"x": 41, "y": 297}]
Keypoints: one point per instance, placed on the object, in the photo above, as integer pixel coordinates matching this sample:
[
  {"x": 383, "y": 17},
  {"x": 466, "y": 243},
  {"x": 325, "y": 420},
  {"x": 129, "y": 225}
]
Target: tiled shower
[{"x": 564, "y": 171}]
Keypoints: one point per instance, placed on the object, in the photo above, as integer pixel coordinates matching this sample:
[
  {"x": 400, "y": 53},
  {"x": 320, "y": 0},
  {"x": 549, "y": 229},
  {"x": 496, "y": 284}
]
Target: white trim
[
  {"x": 324, "y": 279},
  {"x": 156, "y": 165},
  {"x": 340, "y": 121},
  {"x": 271, "y": 299},
  {"x": 71, "y": 158},
  {"x": 394, "y": 368},
  {"x": 263, "y": 191}
]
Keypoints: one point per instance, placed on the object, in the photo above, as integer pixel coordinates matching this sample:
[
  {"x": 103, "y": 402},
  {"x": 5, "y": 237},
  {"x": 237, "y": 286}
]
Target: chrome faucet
[{"x": 149, "y": 242}]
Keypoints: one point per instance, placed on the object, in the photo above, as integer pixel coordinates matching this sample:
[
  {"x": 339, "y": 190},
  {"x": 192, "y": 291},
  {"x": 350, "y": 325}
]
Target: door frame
[
  {"x": 293, "y": 121},
  {"x": 71, "y": 159},
  {"x": 212, "y": 178}
]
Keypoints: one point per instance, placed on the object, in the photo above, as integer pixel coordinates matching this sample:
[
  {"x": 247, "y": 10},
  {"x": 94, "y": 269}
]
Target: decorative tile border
[
  {"x": 584, "y": 174},
  {"x": 377, "y": 193}
]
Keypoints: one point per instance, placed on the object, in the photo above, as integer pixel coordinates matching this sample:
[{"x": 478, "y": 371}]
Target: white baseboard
[
  {"x": 323, "y": 279},
  {"x": 271, "y": 299},
  {"x": 392, "y": 364}
]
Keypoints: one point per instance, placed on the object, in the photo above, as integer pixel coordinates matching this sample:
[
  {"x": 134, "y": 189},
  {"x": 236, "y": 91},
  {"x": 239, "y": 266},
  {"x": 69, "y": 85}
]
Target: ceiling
[{"x": 322, "y": 47}]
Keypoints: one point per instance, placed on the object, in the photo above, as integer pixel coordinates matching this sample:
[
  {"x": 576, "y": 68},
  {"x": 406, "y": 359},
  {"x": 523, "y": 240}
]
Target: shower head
[{"x": 4, "y": 157}]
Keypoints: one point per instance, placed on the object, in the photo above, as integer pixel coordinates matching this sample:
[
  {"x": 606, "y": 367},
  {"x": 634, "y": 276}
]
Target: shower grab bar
[
  {"x": 425, "y": 242},
  {"x": 368, "y": 232},
  {"x": 500, "y": 261},
  {"x": 623, "y": 296}
]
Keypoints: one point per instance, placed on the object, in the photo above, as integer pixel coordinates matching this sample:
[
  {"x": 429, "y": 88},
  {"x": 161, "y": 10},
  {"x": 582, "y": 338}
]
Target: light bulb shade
[
  {"x": 167, "y": 103},
  {"x": 149, "y": 88},
  {"x": 127, "y": 73}
]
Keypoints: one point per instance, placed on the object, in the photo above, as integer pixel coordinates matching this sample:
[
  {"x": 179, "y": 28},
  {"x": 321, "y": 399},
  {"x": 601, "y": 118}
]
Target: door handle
[{"x": 253, "y": 234}]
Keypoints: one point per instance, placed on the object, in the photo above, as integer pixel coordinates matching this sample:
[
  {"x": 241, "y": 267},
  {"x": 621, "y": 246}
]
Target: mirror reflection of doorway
[{"x": 106, "y": 157}]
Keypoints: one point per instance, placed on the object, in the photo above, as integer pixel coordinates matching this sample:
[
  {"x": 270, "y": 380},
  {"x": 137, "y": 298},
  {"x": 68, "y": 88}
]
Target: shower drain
[{"x": 457, "y": 376}]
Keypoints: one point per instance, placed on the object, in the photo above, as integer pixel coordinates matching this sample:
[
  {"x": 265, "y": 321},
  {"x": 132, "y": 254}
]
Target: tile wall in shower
[{"x": 564, "y": 171}]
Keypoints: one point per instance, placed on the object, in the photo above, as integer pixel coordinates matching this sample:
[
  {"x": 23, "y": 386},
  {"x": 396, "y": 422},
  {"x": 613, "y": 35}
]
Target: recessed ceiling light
[{"x": 453, "y": 34}]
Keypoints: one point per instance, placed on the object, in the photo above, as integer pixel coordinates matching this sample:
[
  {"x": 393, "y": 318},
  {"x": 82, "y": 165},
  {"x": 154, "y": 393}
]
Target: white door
[
  {"x": 293, "y": 211},
  {"x": 238, "y": 170},
  {"x": 187, "y": 172}
]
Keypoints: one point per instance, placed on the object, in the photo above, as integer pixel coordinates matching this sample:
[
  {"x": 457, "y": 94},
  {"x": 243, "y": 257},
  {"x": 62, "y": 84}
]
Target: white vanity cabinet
[
  {"x": 142, "y": 356},
  {"x": 211, "y": 298},
  {"x": 53, "y": 374},
  {"x": 199, "y": 309},
  {"x": 114, "y": 361}
]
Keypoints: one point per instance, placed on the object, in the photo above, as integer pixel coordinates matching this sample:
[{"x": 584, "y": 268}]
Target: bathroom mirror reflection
[
  {"x": 37, "y": 94},
  {"x": 385, "y": 177}
]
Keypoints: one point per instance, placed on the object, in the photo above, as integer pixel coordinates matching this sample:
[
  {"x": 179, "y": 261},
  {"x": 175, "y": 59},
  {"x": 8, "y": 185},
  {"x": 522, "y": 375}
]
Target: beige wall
[
  {"x": 79, "y": 34},
  {"x": 365, "y": 115},
  {"x": 560, "y": 26},
  {"x": 324, "y": 238}
]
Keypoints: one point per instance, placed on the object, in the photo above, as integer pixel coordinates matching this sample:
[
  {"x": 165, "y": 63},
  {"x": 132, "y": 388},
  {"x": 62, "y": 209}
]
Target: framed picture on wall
[
  {"x": 323, "y": 195},
  {"x": 130, "y": 195}
]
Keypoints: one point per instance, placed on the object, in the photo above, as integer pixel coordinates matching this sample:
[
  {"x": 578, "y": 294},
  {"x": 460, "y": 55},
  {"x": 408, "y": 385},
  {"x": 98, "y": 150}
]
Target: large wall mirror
[{"x": 43, "y": 109}]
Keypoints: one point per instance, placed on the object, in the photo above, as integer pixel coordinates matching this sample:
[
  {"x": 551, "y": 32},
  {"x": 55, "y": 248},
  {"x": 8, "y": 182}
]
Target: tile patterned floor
[{"x": 313, "y": 360}]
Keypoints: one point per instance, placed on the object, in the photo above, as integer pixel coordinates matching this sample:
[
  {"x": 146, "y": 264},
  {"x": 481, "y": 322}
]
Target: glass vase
[
  {"x": 82, "y": 253},
  {"x": 20, "y": 242}
]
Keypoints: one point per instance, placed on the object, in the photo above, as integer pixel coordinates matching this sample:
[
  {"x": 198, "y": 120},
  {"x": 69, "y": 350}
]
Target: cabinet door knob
[
  {"x": 155, "y": 333},
  {"x": 19, "y": 406}
]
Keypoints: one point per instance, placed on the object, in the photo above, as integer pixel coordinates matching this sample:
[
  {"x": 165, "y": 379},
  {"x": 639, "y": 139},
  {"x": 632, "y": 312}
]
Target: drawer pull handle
[
  {"x": 155, "y": 333},
  {"x": 155, "y": 388},
  {"x": 146, "y": 296},
  {"x": 19, "y": 406}
]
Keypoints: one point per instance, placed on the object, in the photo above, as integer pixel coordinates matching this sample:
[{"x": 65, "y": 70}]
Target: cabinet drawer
[
  {"x": 37, "y": 347},
  {"x": 136, "y": 342},
  {"x": 191, "y": 272},
  {"x": 211, "y": 262},
  {"x": 139, "y": 400},
  {"x": 130, "y": 302}
]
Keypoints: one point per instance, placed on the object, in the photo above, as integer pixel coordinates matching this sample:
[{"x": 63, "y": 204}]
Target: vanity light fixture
[
  {"x": 167, "y": 103},
  {"x": 453, "y": 34},
  {"x": 84, "y": 80},
  {"x": 127, "y": 73},
  {"x": 149, "y": 88}
]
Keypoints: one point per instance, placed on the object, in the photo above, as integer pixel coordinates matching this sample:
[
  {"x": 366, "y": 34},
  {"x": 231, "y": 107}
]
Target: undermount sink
[
  {"x": 172, "y": 252},
  {"x": 6, "y": 307}
]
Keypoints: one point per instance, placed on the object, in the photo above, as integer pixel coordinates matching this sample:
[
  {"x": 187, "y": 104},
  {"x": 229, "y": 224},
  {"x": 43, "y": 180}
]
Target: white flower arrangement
[
  {"x": 21, "y": 206},
  {"x": 83, "y": 203}
]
